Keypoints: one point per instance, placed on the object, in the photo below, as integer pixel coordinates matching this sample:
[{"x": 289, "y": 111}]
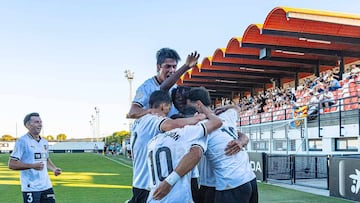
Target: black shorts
[
  {"x": 46, "y": 196},
  {"x": 247, "y": 192},
  {"x": 206, "y": 194},
  {"x": 195, "y": 189},
  {"x": 139, "y": 195}
]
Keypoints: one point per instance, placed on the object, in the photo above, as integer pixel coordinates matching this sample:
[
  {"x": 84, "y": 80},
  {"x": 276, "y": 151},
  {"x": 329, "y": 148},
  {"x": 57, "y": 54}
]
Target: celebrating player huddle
[{"x": 167, "y": 152}]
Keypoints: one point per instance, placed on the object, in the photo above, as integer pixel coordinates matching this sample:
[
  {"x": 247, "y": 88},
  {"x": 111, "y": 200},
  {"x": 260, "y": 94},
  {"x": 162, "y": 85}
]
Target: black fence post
[{"x": 292, "y": 169}]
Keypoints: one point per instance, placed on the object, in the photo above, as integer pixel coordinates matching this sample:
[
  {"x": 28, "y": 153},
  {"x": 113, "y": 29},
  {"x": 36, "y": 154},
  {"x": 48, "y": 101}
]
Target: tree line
[
  {"x": 116, "y": 137},
  {"x": 59, "y": 137}
]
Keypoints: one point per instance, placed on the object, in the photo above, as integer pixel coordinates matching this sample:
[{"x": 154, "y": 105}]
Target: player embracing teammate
[{"x": 172, "y": 154}]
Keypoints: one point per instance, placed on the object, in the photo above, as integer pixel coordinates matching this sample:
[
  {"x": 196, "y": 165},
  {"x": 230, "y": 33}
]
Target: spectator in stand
[
  {"x": 290, "y": 94},
  {"x": 336, "y": 73},
  {"x": 334, "y": 84},
  {"x": 354, "y": 72},
  {"x": 327, "y": 98},
  {"x": 313, "y": 104},
  {"x": 307, "y": 83},
  {"x": 320, "y": 83}
]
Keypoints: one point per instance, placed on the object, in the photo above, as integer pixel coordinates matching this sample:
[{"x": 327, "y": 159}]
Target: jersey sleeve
[
  {"x": 141, "y": 97},
  {"x": 195, "y": 135},
  {"x": 156, "y": 121},
  {"x": 18, "y": 151},
  {"x": 230, "y": 116}
]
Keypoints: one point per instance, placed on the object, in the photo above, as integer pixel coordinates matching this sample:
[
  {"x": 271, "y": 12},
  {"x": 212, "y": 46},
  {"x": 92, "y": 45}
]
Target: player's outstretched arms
[
  {"x": 191, "y": 61},
  {"x": 170, "y": 124}
]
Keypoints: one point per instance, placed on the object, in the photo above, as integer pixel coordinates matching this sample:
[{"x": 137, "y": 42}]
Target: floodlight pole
[
  {"x": 129, "y": 75},
  {"x": 92, "y": 124},
  {"x": 97, "y": 111}
]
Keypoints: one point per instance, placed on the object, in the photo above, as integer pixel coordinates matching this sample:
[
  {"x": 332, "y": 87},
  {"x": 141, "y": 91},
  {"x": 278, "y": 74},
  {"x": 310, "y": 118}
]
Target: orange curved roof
[
  {"x": 292, "y": 42},
  {"x": 308, "y": 21}
]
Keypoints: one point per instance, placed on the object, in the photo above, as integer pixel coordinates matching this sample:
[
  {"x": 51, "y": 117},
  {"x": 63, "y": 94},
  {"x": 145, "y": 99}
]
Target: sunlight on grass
[{"x": 67, "y": 179}]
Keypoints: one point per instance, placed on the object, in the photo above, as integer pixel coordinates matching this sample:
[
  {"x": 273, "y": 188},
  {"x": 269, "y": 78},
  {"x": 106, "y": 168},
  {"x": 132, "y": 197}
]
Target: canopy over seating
[{"x": 292, "y": 43}]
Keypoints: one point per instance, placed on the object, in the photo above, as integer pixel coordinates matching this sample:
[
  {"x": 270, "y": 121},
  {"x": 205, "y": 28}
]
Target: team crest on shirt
[{"x": 45, "y": 147}]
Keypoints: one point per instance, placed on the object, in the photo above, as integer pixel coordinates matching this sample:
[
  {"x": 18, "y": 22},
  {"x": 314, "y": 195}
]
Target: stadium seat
[
  {"x": 347, "y": 101},
  {"x": 333, "y": 109},
  {"x": 264, "y": 117},
  {"x": 244, "y": 121},
  {"x": 289, "y": 113},
  {"x": 354, "y": 100},
  {"x": 281, "y": 115},
  {"x": 326, "y": 110},
  {"x": 339, "y": 92},
  {"x": 255, "y": 119},
  {"x": 347, "y": 107},
  {"x": 353, "y": 92},
  {"x": 352, "y": 85},
  {"x": 341, "y": 83}
]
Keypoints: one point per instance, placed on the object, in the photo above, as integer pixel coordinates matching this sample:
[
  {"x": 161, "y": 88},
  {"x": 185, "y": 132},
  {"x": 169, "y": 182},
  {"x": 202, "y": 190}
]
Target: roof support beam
[
  {"x": 303, "y": 50},
  {"x": 223, "y": 85},
  {"x": 283, "y": 59},
  {"x": 238, "y": 79},
  {"x": 331, "y": 38},
  {"x": 341, "y": 67},
  {"x": 261, "y": 67},
  {"x": 256, "y": 74}
]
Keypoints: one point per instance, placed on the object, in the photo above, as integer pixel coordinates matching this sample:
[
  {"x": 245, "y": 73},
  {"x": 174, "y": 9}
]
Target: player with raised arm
[
  {"x": 145, "y": 128},
  {"x": 167, "y": 75},
  {"x": 171, "y": 155}
]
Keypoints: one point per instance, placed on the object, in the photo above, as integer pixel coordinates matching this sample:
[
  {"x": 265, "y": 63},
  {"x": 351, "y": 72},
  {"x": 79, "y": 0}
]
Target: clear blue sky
[{"x": 62, "y": 58}]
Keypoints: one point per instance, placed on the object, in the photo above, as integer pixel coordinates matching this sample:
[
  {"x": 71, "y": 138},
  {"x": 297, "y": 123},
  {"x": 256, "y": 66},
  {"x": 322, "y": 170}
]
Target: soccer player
[
  {"x": 145, "y": 128},
  {"x": 171, "y": 155},
  {"x": 165, "y": 79},
  {"x": 206, "y": 193},
  {"x": 235, "y": 180},
  {"x": 31, "y": 157},
  {"x": 207, "y": 177}
]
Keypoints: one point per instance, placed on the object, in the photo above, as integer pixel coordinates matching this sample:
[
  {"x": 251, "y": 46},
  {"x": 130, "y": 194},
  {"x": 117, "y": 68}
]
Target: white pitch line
[{"x": 118, "y": 162}]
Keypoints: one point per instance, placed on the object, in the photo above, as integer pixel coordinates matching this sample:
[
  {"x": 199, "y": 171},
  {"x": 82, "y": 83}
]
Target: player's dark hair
[
  {"x": 165, "y": 53},
  {"x": 179, "y": 96},
  {"x": 200, "y": 93},
  {"x": 159, "y": 97},
  {"x": 28, "y": 117},
  {"x": 189, "y": 111}
]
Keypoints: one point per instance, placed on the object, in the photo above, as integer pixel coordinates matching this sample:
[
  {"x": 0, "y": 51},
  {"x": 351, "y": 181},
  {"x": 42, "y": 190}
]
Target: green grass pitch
[{"x": 94, "y": 178}]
